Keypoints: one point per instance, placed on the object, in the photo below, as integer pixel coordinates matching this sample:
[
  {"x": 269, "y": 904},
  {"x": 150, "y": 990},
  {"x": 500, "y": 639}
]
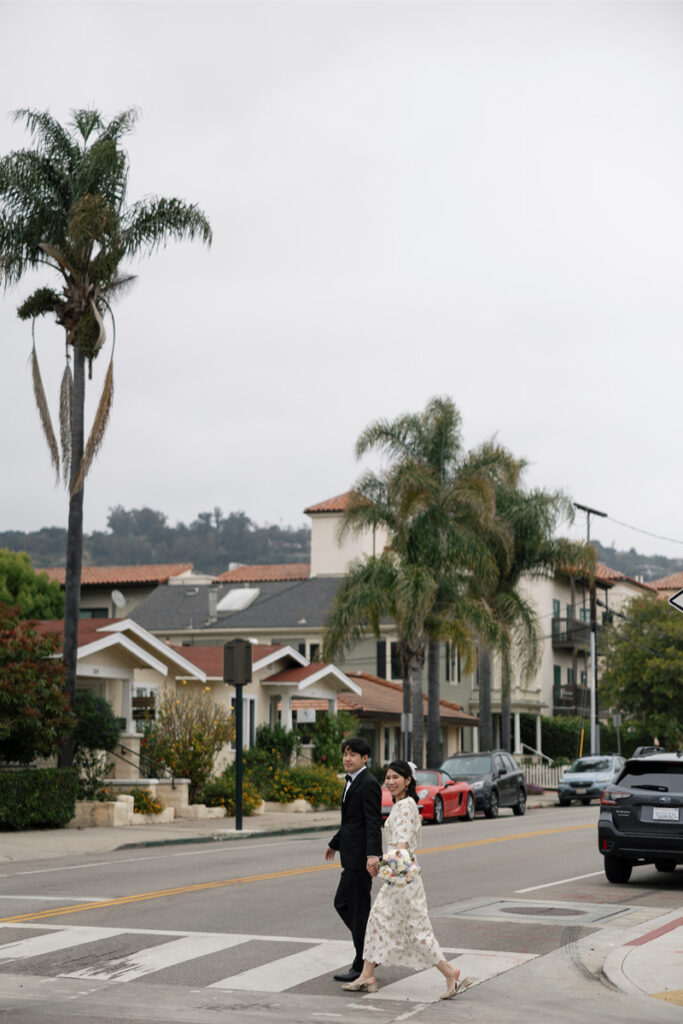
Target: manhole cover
[{"x": 538, "y": 911}]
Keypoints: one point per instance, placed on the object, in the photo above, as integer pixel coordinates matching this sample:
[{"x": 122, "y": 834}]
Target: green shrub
[
  {"x": 561, "y": 736},
  {"x": 220, "y": 792},
  {"x": 37, "y": 798},
  {"x": 97, "y": 728},
  {"x": 274, "y": 747},
  {"x": 144, "y": 802},
  {"x": 326, "y": 735},
  {"x": 317, "y": 784}
]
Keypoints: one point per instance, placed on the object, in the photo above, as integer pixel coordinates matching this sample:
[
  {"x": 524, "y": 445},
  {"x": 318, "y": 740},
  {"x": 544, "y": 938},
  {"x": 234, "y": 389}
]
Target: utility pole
[{"x": 595, "y": 728}]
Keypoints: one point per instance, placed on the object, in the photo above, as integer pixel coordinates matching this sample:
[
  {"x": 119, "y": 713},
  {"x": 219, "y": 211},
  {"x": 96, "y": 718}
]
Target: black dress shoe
[{"x": 349, "y": 975}]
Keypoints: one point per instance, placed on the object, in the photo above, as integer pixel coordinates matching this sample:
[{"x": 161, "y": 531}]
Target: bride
[{"x": 399, "y": 930}]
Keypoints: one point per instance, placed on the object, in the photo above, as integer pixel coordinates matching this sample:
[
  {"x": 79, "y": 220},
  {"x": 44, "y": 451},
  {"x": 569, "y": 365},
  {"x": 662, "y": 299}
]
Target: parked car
[
  {"x": 495, "y": 777},
  {"x": 439, "y": 797},
  {"x": 641, "y": 816},
  {"x": 586, "y": 778}
]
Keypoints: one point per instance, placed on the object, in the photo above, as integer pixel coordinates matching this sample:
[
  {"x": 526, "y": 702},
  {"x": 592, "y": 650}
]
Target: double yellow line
[{"x": 158, "y": 894}]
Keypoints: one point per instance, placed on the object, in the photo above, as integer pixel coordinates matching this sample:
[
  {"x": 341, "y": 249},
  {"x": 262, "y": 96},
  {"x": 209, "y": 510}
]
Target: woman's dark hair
[{"x": 404, "y": 769}]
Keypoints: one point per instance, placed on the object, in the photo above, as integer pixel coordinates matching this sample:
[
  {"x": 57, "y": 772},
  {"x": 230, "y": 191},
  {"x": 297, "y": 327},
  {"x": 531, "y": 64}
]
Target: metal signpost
[{"x": 237, "y": 672}]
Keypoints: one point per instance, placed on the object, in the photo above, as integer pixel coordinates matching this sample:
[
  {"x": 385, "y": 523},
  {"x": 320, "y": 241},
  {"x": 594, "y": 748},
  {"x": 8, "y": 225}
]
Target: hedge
[
  {"x": 37, "y": 798},
  {"x": 561, "y": 736}
]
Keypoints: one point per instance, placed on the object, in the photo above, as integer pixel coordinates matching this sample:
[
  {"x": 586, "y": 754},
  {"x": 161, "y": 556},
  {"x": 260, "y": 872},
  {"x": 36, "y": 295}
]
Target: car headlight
[
  {"x": 478, "y": 785},
  {"x": 422, "y": 793}
]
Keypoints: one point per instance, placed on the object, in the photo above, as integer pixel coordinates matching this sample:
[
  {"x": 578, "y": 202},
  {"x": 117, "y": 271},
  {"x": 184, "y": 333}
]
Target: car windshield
[
  {"x": 477, "y": 764},
  {"x": 662, "y": 777},
  {"x": 427, "y": 778},
  {"x": 591, "y": 764}
]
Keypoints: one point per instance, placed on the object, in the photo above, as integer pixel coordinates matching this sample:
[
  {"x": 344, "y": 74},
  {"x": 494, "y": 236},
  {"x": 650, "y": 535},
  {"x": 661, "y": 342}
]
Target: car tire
[
  {"x": 469, "y": 808},
  {"x": 665, "y": 865},
  {"x": 585, "y": 801},
  {"x": 520, "y": 807},
  {"x": 438, "y": 810},
  {"x": 617, "y": 869},
  {"x": 563, "y": 802},
  {"x": 492, "y": 810}
]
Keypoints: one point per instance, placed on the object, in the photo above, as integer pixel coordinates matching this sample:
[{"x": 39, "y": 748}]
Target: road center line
[
  {"x": 57, "y": 899},
  {"x": 562, "y": 881},
  {"x": 291, "y": 872}
]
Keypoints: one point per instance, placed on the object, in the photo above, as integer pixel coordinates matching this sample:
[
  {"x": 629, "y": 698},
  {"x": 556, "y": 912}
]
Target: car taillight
[{"x": 609, "y": 797}]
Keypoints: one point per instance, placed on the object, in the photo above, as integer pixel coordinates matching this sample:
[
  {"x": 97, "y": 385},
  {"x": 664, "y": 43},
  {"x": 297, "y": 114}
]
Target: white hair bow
[{"x": 413, "y": 769}]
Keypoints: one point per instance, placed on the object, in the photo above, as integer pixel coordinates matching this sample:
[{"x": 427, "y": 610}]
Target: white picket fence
[{"x": 543, "y": 775}]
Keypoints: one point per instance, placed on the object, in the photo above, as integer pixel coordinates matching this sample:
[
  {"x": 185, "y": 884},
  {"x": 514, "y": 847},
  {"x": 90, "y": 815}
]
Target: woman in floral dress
[{"x": 399, "y": 930}]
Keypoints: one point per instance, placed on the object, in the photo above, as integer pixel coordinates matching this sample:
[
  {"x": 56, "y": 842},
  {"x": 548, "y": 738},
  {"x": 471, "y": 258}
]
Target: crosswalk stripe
[
  {"x": 279, "y": 975},
  {"x": 53, "y": 942},
  {"x": 425, "y": 985},
  {"x": 156, "y": 958}
]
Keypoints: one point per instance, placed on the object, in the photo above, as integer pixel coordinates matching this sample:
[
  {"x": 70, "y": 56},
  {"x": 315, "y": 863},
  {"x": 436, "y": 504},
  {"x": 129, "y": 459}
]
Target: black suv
[
  {"x": 495, "y": 777},
  {"x": 641, "y": 816}
]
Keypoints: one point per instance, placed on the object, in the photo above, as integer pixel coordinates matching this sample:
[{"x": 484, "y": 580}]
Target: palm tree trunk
[
  {"x": 418, "y": 712},
  {"x": 74, "y": 548},
  {"x": 505, "y": 710},
  {"x": 485, "y": 717},
  {"x": 433, "y": 710},
  {"x": 407, "y": 735}
]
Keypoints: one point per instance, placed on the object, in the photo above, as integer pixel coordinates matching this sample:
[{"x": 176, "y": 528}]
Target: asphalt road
[{"x": 245, "y": 931}]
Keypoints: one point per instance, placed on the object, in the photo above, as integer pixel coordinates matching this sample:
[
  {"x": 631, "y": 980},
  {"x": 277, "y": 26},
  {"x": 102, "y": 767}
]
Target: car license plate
[
  {"x": 665, "y": 813},
  {"x": 582, "y": 789}
]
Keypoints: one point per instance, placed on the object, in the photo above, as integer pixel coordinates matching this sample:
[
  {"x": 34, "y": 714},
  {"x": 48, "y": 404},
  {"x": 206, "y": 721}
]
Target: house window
[
  {"x": 93, "y": 613},
  {"x": 313, "y": 652},
  {"x": 396, "y": 666},
  {"x": 248, "y": 721},
  {"x": 382, "y": 659},
  {"x": 557, "y": 675},
  {"x": 584, "y": 614},
  {"x": 570, "y": 677},
  {"x": 569, "y": 612}
]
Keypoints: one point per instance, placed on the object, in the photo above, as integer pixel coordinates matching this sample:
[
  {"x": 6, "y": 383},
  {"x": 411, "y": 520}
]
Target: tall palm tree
[
  {"x": 438, "y": 504},
  {"x": 532, "y": 518},
  {"x": 63, "y": 207}
]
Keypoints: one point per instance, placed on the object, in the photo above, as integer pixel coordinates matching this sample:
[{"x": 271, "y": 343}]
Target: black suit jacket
[{"x": 360, "y": 834}]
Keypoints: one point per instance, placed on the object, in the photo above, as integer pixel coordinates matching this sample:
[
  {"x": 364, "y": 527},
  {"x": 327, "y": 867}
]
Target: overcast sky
[{"x": 483, "y": 200}]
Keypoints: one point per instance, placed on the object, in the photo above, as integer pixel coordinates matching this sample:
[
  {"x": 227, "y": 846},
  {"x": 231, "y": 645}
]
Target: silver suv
[{"x": 587, "y": 777}]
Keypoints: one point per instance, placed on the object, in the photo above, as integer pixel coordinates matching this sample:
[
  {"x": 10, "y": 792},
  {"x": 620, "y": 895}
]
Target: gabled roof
[
  {"x": 257, "y": 573},
  {"x": 210, "y": 658},
  {"x": 304, "y": 676},
  {"x": 133, "y": 575}
]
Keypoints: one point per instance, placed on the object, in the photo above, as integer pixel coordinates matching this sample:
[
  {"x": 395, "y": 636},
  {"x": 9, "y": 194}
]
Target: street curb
[{"x": 222, "y": 838}]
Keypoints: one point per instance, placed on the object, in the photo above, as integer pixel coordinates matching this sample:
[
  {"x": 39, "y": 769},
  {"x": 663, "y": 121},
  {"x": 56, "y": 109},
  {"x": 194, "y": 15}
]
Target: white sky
[{"x": 476, "y": 199}]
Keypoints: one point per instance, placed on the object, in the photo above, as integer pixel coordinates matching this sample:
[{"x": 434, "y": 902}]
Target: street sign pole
[{"x": 237, "y": 671}]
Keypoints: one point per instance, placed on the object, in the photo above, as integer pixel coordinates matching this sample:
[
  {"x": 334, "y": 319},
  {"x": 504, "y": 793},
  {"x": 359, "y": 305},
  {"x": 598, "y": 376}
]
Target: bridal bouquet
[{"x": 398, "y": 867}]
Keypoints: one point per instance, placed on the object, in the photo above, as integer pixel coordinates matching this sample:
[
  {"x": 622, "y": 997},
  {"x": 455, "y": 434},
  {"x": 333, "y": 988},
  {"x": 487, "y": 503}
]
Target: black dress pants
[{"x": 352, "y": 903}]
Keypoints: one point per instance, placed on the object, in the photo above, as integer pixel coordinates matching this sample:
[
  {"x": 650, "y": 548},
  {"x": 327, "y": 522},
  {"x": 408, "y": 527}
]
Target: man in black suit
[{"x": 359, "y": 841}]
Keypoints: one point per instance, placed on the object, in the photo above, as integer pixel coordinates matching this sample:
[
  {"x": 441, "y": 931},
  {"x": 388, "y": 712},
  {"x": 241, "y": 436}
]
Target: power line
[{"x": 648, "y": 533}]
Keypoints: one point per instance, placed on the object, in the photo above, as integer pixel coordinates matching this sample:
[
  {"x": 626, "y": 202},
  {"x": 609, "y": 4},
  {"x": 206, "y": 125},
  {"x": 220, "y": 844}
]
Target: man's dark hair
[{"x": 356, "y": 745}]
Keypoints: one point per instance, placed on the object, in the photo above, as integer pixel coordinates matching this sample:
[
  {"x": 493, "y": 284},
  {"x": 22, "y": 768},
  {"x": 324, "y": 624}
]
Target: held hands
[
  {"x": 372, "y": 865},
  {"x": 329, "y": 853}
]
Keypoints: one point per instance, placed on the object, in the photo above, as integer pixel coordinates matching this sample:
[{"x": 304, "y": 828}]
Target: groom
[{"x": 359, "y": 841}]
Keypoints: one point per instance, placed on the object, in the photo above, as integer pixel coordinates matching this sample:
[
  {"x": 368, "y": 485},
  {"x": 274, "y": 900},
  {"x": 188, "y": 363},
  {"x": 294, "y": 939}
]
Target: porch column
[
  {"x": 332, "y": 705},
  {"x": 539, "y": 748},
  {"x": 518, "y": 733},
  {"x": 127, "y": 704},
  {"x": 286, "y": 717},
  {"x": 475, "y": 739}
]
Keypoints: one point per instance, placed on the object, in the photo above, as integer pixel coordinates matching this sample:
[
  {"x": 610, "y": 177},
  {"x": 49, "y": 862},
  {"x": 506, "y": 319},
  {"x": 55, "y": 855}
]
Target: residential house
[
  {"x": 667, "y": 586},
  {"x": 113, "y": 591}
]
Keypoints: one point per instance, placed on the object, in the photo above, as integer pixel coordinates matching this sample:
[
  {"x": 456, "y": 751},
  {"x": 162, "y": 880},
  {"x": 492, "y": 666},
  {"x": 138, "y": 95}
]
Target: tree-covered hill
[
  {"x": 647, "y": 567},
  {"x": 143, "y": 536}
]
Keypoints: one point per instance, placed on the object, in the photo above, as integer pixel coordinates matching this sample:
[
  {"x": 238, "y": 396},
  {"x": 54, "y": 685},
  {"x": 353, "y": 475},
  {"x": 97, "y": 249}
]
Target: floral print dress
[{"x": 399, "y": 930}]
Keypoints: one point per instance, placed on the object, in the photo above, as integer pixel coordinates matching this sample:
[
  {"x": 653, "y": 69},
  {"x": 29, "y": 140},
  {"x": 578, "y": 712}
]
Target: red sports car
[{"x": 439, "y": 797}]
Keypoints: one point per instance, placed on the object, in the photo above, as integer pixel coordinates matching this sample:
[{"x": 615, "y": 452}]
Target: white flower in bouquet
[{"x": 398, "y": 867}]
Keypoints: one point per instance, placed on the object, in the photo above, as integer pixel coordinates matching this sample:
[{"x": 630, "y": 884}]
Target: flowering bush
[
  {"x": 274, "y": 748},
  {"x": 398, "y": 867},
  {"x": 188, "y": 733},
  {"x": 317, "y": 784},
  {"x": 144, "y": 802},
  {"x": 220, "y": 792}
]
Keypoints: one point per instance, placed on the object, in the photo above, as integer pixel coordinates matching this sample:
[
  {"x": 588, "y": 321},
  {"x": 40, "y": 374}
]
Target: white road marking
[
  {"x": 157, "y": 958},
  {"x": 562, "y": 881},
  {"x": 427, "y": 986},
  {"x": 279, "y": 975},
  {"x": 55, "y": 941}
]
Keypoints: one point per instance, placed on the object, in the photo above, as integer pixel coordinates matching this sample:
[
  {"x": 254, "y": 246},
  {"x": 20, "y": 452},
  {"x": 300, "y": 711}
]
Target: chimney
[{"x": 213, "y": 604}]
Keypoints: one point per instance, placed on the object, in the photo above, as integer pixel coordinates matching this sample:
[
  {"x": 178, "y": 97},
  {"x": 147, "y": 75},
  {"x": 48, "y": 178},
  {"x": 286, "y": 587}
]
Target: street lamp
[{"x": 595, "y": 729}]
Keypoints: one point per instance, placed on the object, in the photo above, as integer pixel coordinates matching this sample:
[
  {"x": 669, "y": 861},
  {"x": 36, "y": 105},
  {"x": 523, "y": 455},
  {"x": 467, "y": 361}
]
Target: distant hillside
[
  {"x": 649, "y": 567},
  {"x": 142, "y": 536},
  {"x": 213, "y": 540}
]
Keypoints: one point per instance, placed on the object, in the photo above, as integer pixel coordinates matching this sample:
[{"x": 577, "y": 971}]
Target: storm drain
[{"x": 580, "y": 913}]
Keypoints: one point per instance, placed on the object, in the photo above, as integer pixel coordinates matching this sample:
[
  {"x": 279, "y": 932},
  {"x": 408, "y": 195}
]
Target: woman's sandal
[
  {"x": 369, "y": 984},
  {"x": 457, "y": 985}
]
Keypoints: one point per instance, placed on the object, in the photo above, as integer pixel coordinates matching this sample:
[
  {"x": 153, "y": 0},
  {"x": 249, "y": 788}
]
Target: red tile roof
[
  {"x": 258, "y": 573},
  {"x": 673, "y": 582},
  {"x": 210, "y": 659},
  {"x": 338, "y": 504},
  {"x": 108, "y": 575},
  {"x": 87, "y": 628}
]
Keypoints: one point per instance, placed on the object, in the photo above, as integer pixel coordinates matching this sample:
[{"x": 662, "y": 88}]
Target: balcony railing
[{"x": 568, "y": 633}]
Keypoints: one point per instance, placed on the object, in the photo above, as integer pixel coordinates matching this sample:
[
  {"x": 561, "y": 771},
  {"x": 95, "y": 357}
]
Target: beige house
[{"x": 113, "y": 591}]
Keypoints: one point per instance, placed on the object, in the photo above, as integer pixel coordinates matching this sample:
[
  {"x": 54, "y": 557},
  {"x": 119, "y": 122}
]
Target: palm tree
[
  {"x": 63, "y": 206},
  {"x": 438, "y": 504},
  {"x": 532, "y": 518}
]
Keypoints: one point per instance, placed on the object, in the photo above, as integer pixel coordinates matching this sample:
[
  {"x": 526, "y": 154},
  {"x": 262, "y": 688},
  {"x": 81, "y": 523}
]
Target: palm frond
[
  {"x": 150, "y": 223},
  {"x": 44, "y": 411},
  {"x": 97, "y": 432}
]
